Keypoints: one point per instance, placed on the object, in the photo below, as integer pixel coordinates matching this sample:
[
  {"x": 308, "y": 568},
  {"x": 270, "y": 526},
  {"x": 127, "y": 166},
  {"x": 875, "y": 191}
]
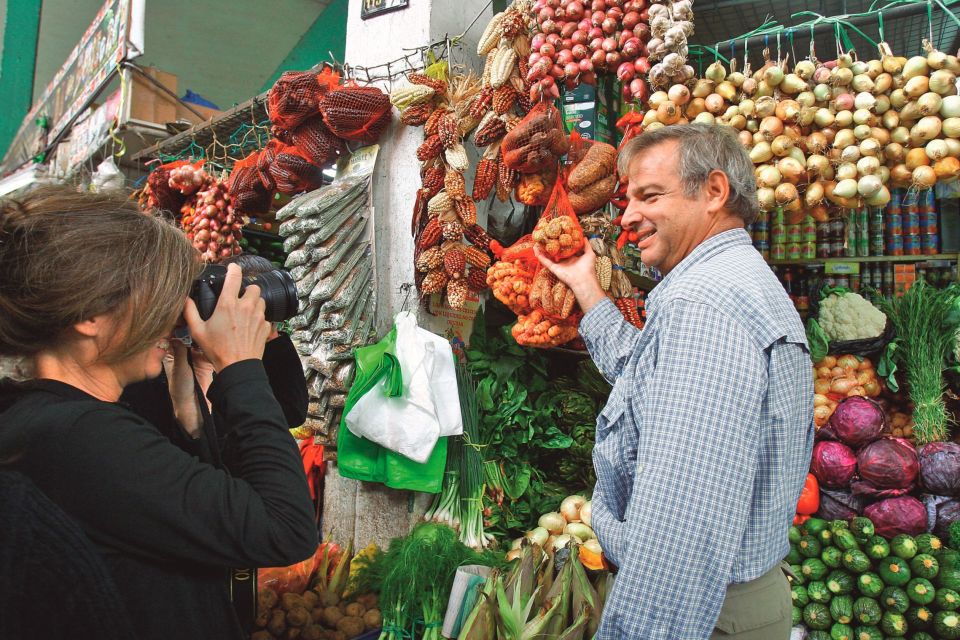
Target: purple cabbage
[
  {"x": 839, "y": 505},
  {"x": 889, "y": 464},
  {"x": 857, "y": 421},
  {"x": 833, "y": 463},
  {"x": 893, "y": 516},
  {"x": 940, "y": 468}
]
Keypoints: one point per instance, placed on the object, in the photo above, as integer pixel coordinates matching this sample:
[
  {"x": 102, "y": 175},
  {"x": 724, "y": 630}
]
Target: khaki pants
[{"x": 756, "y": 610}]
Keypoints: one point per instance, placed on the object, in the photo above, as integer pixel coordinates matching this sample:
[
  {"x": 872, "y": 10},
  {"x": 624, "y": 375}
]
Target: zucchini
[
  {"x": 840, "y": 583},
  {"x": 818, "y": 592},
  {"x": 845, "y": 540},
  {"x": 895, "y": 599},
  {"x": 840, "y": 631},
  {"x": 903, "y": 546},
  {"x": 949, "y": 559},
  {"x": 816, "y": 616},
  {"x": 893, "y": 624},
  {"x": 946, "y": 624},
  {"x": 832, "y": 557},
  {"x": 920, "y": 591},
  {"x": 877, "y": 548},
  {"x": 838, "y": 524},
  {"x": 826, "y": 537},
  {"x": 894, "y": 571},
  {"x": 796, "y": 615},
  {"x": 809, "y": 547},
  {"x": 794, "y": 535},
  {"x": 793, "y": 556},
  {"x": 919, "y": 617},
  {"x": 813, "y": 526},
  {"x": 797, "y": 577},
  {"x": 929, "y": 544},
  {"x": 925, "y": 565},
  {"x": 819, "y": 634},
  {"x": 862, "y": 529},
  {"x": 856, "y": 561},
  {"x": 949, "y": 577},
  {"x": 798, "y": 595},
  {"x": 870, "y": 584},
  {"x": 813, "y": 569},
  {"x": 867, "y": 612},
  {"x": 841, "y": 609},
  {"x": 947, "y": 599},
  {"x": 922, "y": 635},
  {"x": 867, "y": 633}
]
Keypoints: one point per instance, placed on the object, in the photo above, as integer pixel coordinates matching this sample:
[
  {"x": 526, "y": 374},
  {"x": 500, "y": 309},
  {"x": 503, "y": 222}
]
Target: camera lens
[{"x": 279, "y": 292}]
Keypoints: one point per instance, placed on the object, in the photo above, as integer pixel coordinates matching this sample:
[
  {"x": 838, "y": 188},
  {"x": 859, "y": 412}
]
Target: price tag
[{"x": 842, "y": 268}]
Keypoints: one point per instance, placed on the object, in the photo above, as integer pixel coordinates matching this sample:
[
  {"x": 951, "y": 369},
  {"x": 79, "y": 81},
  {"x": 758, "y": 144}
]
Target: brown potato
[
  {"x": 267, "y": 599},
  {"x": 373, "y": 619},
  {"x": 278, "y": 622},
  {"x": 331, "y": 616},
  {"x": 355, "y": 610},
  {"x": 298, "y": 617},
  {"x": 311, "y": 599},
  {"x": 261, "y": 635},
  {"x": 313, "y": 632},
  {"x": 291, "y": 601},
  {"x": 351, "y": 626}
]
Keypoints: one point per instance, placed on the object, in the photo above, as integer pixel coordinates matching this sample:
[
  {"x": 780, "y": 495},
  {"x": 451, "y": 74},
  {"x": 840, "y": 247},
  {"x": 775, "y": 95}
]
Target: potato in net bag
[
  {"x": 537, "y": 142},
  {"x": 356, "y": 113},
  {"x": 293, "y": 172},
  {"x": 558, "y": 232},
  {"x": 592, "y": 178},
  {"x": 293, "y": 98},
  {"x": 315, "y": 139}
]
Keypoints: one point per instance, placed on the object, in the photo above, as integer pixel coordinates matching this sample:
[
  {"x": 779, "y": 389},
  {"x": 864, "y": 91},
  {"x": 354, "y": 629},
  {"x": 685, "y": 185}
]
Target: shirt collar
[{"x": 701, "y": 253}]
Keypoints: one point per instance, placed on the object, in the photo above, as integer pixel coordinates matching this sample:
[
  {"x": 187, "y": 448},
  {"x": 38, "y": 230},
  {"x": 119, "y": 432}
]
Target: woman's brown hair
[{"x": 66, "y": 257}]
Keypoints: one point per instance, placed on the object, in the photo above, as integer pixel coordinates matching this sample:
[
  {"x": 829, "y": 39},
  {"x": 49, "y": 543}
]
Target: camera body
[{"x": 277, "y": 289}]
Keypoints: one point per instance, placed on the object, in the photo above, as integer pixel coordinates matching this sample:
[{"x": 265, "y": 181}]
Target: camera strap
[{"x": 243, "y": 594}]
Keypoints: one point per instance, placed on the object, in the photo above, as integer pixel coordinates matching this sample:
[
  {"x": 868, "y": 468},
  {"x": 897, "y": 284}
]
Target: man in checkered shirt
[{"x": 703, "y": 447}]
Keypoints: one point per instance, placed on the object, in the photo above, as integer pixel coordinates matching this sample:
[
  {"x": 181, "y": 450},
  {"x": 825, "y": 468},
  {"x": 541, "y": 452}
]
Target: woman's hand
[
  {"x": 237, "y": 330},
  {"x": 579, "y": 273},
  {"x": 180, "y": 382}
]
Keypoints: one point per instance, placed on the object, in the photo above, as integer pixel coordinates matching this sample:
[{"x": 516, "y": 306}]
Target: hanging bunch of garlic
[{"x": 671, "y": 25}]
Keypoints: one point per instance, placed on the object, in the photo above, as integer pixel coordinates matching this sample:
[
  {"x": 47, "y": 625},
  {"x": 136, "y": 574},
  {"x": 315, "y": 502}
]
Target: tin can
[
  {"x": 928, "y": 203},
  {"x": 837, "y": 249},
  {"x": 909, "y": 199},
  {"x": 778, "y": 251},
  {"x": 793, "y": 251},
  {"x": 896, "y": 201},
  {"x": 876, "y": 244},
  {"x": 893, "y": 224},
  {"x": 836, "y": 228},
  {"x": 794, "y": 233},
  {"x": 911, "y": 245},
  {"x": 778, "y": 234},
  {"x": 776, "y": 216},
  {"x": 843, "y": 281},
  {"x": 808, "y": 250},
  {"x": 928, "y": 222},
  {"x": 911, "y": 222},
  {"x": 855, "y": 281},
  {"x": 823, "y": 249},
  {"x": 930, "y": 244},
  {"x": 808, "y": 228},
  {"x": 895, "y": 246}
]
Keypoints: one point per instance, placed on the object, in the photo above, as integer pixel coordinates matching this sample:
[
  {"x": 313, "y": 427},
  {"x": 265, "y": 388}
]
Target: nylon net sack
[
  {"x": 511, "y": 276},
  {"x": 267, "y": 155},
  {"x": 293, "y": 98},
  {"x": 158, "y": 195},
  {"x": 293, "y": 172},
  {"x": 356, "y": 113},
  {"x": 247, "y": 192},
  {"x": 315, "y": 139},
  {"x": 537, "y": 142},
  {"x": 558, "y": 231},
  {"x": 592, "y": 177}
]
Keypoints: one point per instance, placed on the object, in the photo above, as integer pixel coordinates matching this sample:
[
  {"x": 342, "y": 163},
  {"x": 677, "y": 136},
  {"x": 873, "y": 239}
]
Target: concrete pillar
[{"x": 369, "y": 512}]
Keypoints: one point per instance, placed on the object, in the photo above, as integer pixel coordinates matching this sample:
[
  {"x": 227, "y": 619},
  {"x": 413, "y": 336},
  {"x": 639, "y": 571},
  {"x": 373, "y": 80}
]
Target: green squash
[
  {"x": 920, "y": 591},
  {"x": 922, "y": 635},
  {"x": 845, "y": 540},
  {"x": 949, "y": 577},
  {"x": 796, "y": 616},
  {"x": 870, "y": 584},
  {"x": 893, "y": 624},
  {"x": 894, "y": 571},
  {"x": 816, "y": 616},
  {"x": 929, "y": 544},
  {"x": 856, "y": 561},
  {"x": 840, "y": 582},
  {"x": 797, "y": 577},
  {"x": 799, "y": 596},
  {"x": 877, "y": 548},
  {"x": 832, "y": 557},
  {"x": 946, "y": 624},
  {"x": 809, "y": 547},
  {"x": 818, "y": 592},
  {"x": 894, "y": 599},
  {"x": 925, "y": 565},
  {"x": 862, "y": 529},
  {"x": 793, "y": 556},
  {"x": 794, "y": 535},
  {"x": 841, "y": 609},
  {"x": 947, "y": 599},
  {"x": 904, "y": 546},
  {"x": 840, "y": 631},
  {"x": 813, "y": 569},
  {"x": 867, "y": 633},
  {"x": 813, "y": 526},
  {"x": 867, "y": 612},
  {"x": 919, "y": 617}
]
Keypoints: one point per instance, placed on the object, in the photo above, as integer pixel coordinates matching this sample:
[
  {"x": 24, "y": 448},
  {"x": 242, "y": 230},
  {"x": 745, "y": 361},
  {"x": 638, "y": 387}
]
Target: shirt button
[{"x": 639, "y": 468}]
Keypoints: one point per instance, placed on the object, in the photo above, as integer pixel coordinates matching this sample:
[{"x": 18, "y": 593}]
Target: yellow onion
[
  {"x": 862, "y": 83},
  {"x": 738, "y": 121},
  {"x": 822, "y": 92},
  {"x": 882, "y": 84},
  {"x": 880, "y": 198},
  {"x": 747, "y": 107},
  {"x": 862, "y": 131},
  {"x": 771, "y": 127},
  {"x": 936, "y": 149},
  {"x": 892, "y": 64},
  {"x": 761, "y": 152},
  {"x": 805, "y": 119},
  {"x": 884, "y": 174},
  {"x": 868, "y": 166},
  {"x": 746, "y": 138},
  {"x": 731, "y": 111},
  {"x": 846, "y": 188},
  {"x": 843, "y": 119},
  {"x": 805, "y": 69},
  {"x": 900, "y": 135},
  {"x": 844, "y": 138},
  {"x": 703, "y": 88},
  {"x": 768, "y": 176},
  {"x": 816, "y": 142},
  {"x": 882, "y": 105},
  {"x": 765, "y": 106},
  {"x": 785, "y": 193},
  {"x": 736, "y": 78},
  {"x": 657, "y": 98},
  {"x": 773, "y": 75},
  {"x": 695, "y": 107},
  {"x": 910, "y": 113},
  {"x": 947, "y": 169},
  {"x": 900, "y": 175},
  {"x": 929, "y": 103},
  {"x": 890, "y": 120},
  {"x": 727, "y": 90},
  {"x": 864, "y": 100},
  {"x": 848, "y": 155},
  {"x": 898, "y": 98},
  {"x": 870, "y": 147},
  {"x": 792, "y": 84},
  {"x": 757, "y": 136},
  {"x": 953, "y": 147},
  {"x": 936, "y": 59},
  {"x": 767, "y": 198},
  {"x": 790, "y": 169},
  {"x": 715, "y": 103},
  {"x": 950, "y": 107},
  {"x": 818, "y": 165},
  {"x": 943, "y": 82},
  {"x": 951, "y": 127},
  {"x": 926, "y": 129},
  {"x": 813, "y": 194},
  {"x": 649, "y": 119},
  {"x": 894, "y": 152},
  {"x": 656, "y": 125},
  {"x": 874, "y": 68},
  {"x": 749, "y": 87},
  {"x": 781, "y": 145},
  {"x": 715, "y": 72},
  {"x": 798, "y": 155},
  {"x": 787, "y": 110},
  {"x": 795, "y": 207},
  {"x": 924, "y": 177},
  {"x": 806, "y": 99},
  {"x": 868, "y": 186},
  {"x": 881, "y": 135},
  {"x": 668, "y": 113},
  {"x": 824, "y": 117},
  {"x": 706, "y": 117},
  {"x": 953, "y": 64},
  {"x": 679, "y": 94},
  {"x": 847, "y": 170},
  {"x": 917, "y": 157},
  {"x": 916, "y": 86},
  {"x": 841, "y": 77},
  {"x": 863, "y": 116},
  {"x": 915, "y": 67}
]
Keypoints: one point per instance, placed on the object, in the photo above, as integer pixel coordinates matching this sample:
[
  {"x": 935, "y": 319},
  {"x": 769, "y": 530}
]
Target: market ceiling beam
[{"x": 20, "y": 35}]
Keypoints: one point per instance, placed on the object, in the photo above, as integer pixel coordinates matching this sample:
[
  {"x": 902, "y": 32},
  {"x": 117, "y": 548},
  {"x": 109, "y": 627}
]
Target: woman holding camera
[{"x": 91, "y": 291}]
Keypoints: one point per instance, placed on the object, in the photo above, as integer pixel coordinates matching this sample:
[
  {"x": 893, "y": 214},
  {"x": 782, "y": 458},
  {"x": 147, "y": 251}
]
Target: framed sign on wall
[{"x": 373, "y": 8}]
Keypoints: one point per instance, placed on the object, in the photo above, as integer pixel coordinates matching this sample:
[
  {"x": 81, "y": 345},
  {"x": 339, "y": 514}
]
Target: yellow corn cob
[
  {"x": 491, "y": 35},
  {"x": 410, "y": 95},
  {"x": 467, "y": 124},
  {"x": 502, "y": 66},
  {"x": 604, "y": 271},
  {"x": 457, "y": 291},
  {"x": 439, "y": 204},
  {"x": 487, "y": 65},
  {"x": 456, "y": 157},
  {"x": 455, "y": 185}
]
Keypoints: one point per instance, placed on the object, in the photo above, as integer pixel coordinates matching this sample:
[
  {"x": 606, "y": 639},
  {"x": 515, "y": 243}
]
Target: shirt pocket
[{"x": 612, "y": 413}]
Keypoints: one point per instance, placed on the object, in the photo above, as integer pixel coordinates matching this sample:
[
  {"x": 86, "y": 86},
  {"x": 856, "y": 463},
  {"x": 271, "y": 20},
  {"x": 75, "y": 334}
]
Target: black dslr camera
[{"x": 277, "y": 289}]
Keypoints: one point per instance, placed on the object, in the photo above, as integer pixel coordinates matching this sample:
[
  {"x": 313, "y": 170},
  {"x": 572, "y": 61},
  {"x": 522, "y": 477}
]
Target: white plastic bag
[{"x": 429, "y": 407}]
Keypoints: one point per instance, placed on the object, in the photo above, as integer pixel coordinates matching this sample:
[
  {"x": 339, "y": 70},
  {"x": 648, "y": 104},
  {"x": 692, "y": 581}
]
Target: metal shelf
[{"x": 813, "y": 261}]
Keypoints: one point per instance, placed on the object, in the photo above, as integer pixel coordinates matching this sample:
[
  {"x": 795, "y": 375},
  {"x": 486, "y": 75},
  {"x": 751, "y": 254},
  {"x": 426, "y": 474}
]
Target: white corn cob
[
  {"x": 439, "y": 204},
  {"x": 410, "y": 95},
  {"x": 491, "y": 35},
  {"x": 456, "y": 157},
  {"x": 502, "y": 66}
]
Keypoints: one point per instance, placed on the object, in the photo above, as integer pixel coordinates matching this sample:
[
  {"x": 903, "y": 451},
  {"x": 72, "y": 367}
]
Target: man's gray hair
[{"x": 704, "y": 148}]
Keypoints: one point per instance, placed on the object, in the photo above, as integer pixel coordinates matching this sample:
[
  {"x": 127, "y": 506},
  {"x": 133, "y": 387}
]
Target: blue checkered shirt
[{"x": 704, "y": 444}]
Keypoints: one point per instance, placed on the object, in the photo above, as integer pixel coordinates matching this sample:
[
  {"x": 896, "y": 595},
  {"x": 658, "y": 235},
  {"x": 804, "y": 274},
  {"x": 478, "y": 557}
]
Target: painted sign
[{"x": 372, "y": 8}]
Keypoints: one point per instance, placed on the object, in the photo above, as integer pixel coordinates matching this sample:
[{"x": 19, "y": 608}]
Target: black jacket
[{"x": 168, "y": 525}]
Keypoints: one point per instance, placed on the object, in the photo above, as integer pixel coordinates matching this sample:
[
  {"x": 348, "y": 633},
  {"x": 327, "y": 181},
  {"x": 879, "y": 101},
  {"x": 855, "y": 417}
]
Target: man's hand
[
  {"x": 238, "y": 328},
  {"x": 579, "y": 273}
]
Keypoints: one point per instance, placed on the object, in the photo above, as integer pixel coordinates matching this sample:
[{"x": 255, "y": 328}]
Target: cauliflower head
[{"x": 850, "y": 317}]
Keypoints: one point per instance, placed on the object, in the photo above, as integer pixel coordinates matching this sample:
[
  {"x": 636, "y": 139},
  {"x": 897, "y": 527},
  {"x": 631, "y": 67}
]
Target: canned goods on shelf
[
  {"x": 876, "y": 245},
  {"x": 893, "y": 224},
  {"x": 778, "y": 233},
  {"x": 793, "y": 251},
  {"x": 823, "y": 249},
  {"x": 759, "y": 236},
  {"x": 808, "y": 226},
  {"x": 836, "y": 228},
  {"x": 930, "y": 244},
  {"x": 778, "y": 251},
  {"x": 911, "y": 245},
  {"x": 794, "y": 233},
  {"x": 808, "y": 250},
  {"x": 928, "y": 222},
  {"x": 895, "y": 246},
  {"x": 911, "y": 223}
]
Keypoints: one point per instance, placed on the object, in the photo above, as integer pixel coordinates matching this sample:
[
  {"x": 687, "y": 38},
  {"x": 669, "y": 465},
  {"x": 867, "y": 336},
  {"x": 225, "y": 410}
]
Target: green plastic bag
[{"x": 363, "y": 459}]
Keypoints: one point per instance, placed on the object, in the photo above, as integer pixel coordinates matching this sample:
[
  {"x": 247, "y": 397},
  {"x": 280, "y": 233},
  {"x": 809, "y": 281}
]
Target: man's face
[{"x": 670, "y": 224}]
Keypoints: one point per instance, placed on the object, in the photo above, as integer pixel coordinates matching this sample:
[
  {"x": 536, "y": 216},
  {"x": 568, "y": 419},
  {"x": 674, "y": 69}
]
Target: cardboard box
[
  {"x": 149, "y": 103},
  {"x": 588, "y": 110}
]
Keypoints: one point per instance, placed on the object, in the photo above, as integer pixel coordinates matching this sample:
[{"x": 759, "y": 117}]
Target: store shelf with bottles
[{"x": 821, "y": 261}]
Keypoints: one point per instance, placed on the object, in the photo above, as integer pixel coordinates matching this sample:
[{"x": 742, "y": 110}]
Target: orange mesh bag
[
  {"x": 247, "y": 192},
  {"x": 293, "y": 172},
  {"x": 558, "y": 232},
  {"x": 315, "y": 139},
  {"x": 552, "y": 297},
  {"x": 293, "y": 98},
  {"x": 534, "y": 188},
  {"x": 536, "y": 329},
  {"x": 592, "y": 179},
  {"x": 356, "y": 113},
  {"x": 511, "y": 276},
  {"x": 267, "y": 155},
  {"x": 537, "y": 142},
  {"x": 159, "y": 194}
]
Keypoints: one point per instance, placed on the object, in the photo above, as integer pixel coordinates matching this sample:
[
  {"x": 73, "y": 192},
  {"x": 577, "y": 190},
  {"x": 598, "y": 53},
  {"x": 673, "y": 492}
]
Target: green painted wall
[
  {"x": 327, "y": 34},
  {"x": 21, "y": 28}
]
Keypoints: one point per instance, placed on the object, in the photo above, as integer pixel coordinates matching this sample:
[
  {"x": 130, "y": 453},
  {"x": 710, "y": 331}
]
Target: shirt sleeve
[
  {"x": 696, "y": 464},
  {"x": 136, "y": 492},
  {"x": 285, "y": 372},
  {"x": 610, "y": 338}
]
